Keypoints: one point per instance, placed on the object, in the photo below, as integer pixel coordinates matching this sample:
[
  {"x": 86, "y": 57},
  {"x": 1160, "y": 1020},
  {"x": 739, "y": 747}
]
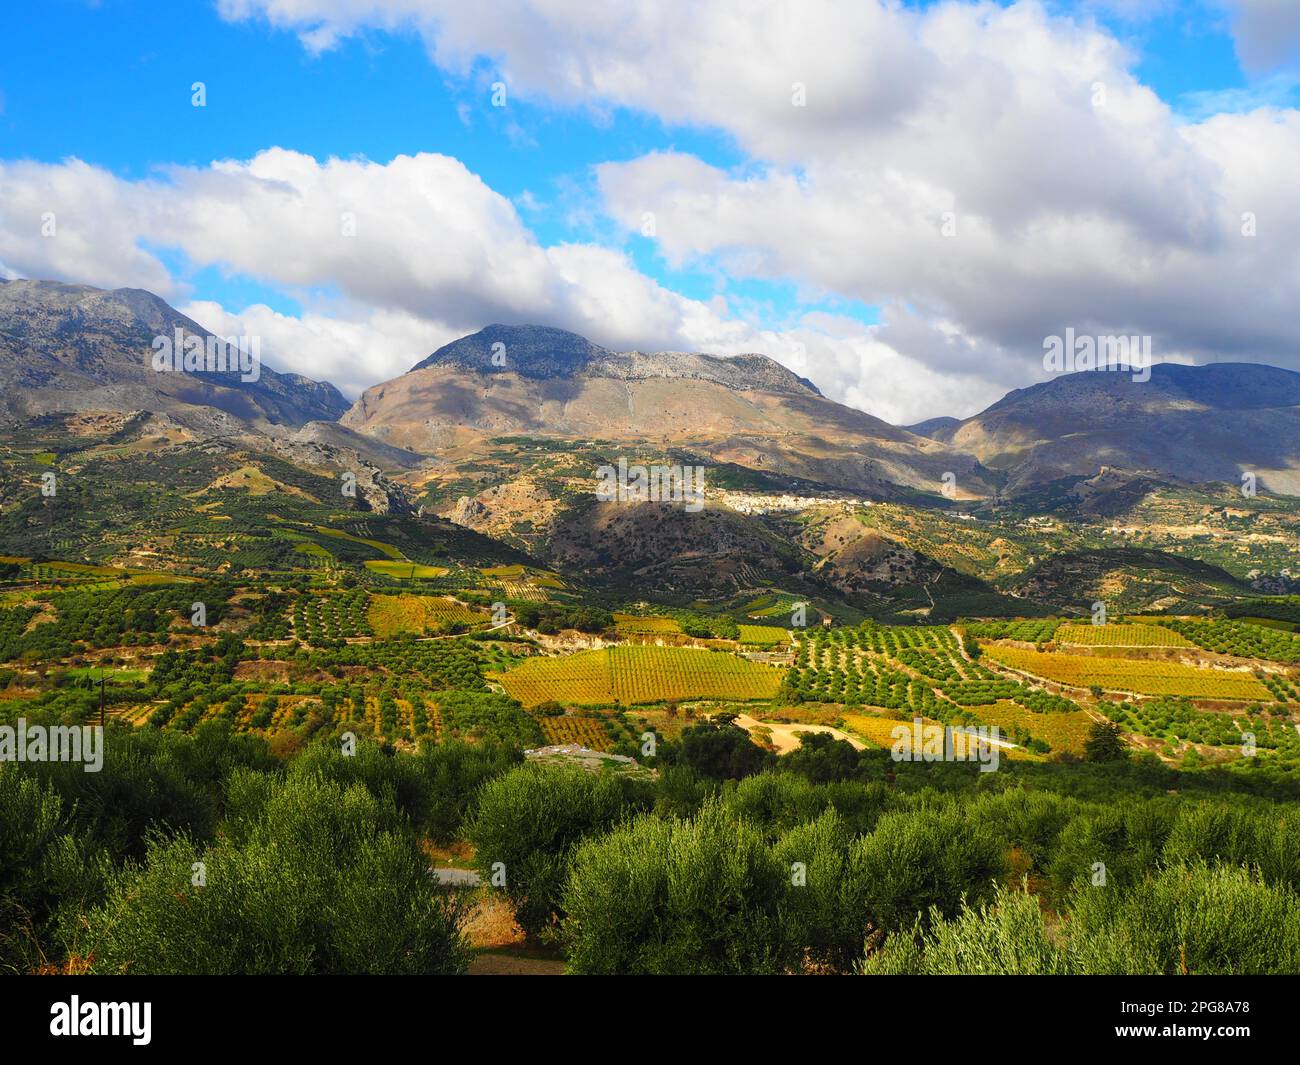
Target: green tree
[
  {"x": 312, "y": 877},
  {"x": 526, "y": 826},
  {"x": 703, "y": 896},
  {"x": 1105, "y": 743}
]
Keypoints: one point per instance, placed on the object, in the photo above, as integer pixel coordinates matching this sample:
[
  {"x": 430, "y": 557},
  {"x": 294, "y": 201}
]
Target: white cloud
[
  {"x": 435, "y": 254},
  {"x": 1080, "y": 199},
  {"x": 351, "y": 353}
]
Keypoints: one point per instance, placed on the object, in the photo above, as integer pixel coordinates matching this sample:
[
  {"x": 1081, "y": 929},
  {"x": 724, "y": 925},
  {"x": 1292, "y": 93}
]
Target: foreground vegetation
[{"x": 203, "y": 852}]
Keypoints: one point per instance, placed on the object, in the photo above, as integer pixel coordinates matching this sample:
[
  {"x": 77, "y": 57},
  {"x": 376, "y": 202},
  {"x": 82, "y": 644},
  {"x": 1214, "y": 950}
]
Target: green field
[
  {"x": 404, "y": 570},
  {"x": 763, "y": 635}
]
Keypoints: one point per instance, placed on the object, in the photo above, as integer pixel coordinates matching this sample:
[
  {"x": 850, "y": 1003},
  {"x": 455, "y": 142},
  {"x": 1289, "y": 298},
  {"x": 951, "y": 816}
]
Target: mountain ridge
[{"x": 73, "y": 348}]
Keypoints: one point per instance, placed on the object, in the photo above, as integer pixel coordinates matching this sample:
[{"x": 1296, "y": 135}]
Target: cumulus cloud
[
  {"x": 988, "y": 174},
  {"x": 391, "y": 261},
  {"x": 352, "y": 353}
]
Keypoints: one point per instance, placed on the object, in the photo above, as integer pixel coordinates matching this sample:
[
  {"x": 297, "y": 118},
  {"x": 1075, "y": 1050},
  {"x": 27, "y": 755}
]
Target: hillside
[
  {"x": 1194, "y": 423},
  {"x": 69, "y": 348},
  {"x": 748, "y": 410}
]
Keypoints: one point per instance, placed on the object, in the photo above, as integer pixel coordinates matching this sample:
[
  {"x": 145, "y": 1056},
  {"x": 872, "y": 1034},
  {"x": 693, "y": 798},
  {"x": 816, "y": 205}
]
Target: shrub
[
  {"x": 317, "y": 878},
  {"x": 703, "y": 896},
  {"x": 526, "y": 825},
  {"x": 926, "y": 861}
]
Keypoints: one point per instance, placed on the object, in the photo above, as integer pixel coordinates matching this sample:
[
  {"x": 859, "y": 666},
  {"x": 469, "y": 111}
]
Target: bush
[
  {"x": 927, "y": 861},
  {"x": 1004, "y": 936},
  {"x": 1197, "y": 919},
  {"x": 1266, "y": 841},
  {"x": 317, "y": 878},
  {"x": 526, "y": 825},
  {"x": 1128, "y": 841},
  {"x": 678, "y": 897},
  {"x": 827, "y": 913}
]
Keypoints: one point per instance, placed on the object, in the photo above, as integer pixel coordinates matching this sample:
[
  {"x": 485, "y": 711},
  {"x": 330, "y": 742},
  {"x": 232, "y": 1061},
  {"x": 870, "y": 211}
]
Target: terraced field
[
  {"x": 631, "y": 675},
  {"x": 1131, "y": 675}
]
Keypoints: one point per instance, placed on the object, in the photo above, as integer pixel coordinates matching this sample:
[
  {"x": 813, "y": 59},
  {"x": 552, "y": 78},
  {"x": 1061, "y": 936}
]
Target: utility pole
[{"x": 101, "y": 696}]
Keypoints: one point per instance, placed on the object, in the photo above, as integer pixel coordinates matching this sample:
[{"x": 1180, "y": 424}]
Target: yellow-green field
[
  {"x": 1131, "y": 675},
  {"x": 763, "y": 635},
  {"x": 378, "y": 545},
  {"x": 1123, "y": 635},
  {"x": 404, "y": 569},
  {"x": 636, "y": 625},
  {"x": 640, "y": 674},
  {"x": 502, "y": 571},
  {"x": 391, "y": 614},
  {"x": 1061, "y": 731}
]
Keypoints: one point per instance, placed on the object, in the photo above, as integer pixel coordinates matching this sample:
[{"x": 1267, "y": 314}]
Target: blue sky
[{"x": 110, "y": 84}]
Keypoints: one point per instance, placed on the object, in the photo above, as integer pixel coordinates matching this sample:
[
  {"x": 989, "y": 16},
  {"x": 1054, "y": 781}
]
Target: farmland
[
  {"x": 1130, "y": 675},
  {"x": 1135, "y": 635},
  {"x": 632, "y": 675},
  {"x": 763, "y": 635},
  {"x": 392, "y": 614},
  {"x": 637, "y": 625},
  {"x": 404, "y": 569}
]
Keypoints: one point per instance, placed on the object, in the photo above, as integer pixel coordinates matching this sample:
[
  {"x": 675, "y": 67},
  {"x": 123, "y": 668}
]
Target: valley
[{"x": 431, "y": 583}]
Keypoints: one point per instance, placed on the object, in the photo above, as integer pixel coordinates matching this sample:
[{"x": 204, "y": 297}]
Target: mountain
[
  {"x": 71, "y": 348},
  {"x": 1192, "y": 423},
  {"x": 748, "y": 410},
  {"x": 932, "y": 426},
  {"x": 1127, "y": 579}
]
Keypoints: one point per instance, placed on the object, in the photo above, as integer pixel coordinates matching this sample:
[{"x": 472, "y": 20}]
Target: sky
[{"x": 900, "y": 201}]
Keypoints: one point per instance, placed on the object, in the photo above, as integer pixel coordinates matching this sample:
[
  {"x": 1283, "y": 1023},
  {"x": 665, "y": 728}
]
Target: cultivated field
[
  {"x": 630, "y": 675},
  {"x": 1131, "y": 675},
  {"x": 391, "y": 614},
  {"x": 1125, "y": 635}
]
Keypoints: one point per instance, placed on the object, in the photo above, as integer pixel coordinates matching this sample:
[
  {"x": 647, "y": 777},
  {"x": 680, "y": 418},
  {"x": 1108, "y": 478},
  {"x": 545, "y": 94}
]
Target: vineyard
[
  {"x": 763, "y": 635},
  {"x": 389, "y": 615},
  {"x": 1125, "y": 635},
  {"x": 1130, "y": 675},
  {"x": 1064, "y": 731},
  {"x": 641, "y": 674},
  {"x": 589, "y": 732},
  {"x": 637, "y": 625}
]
